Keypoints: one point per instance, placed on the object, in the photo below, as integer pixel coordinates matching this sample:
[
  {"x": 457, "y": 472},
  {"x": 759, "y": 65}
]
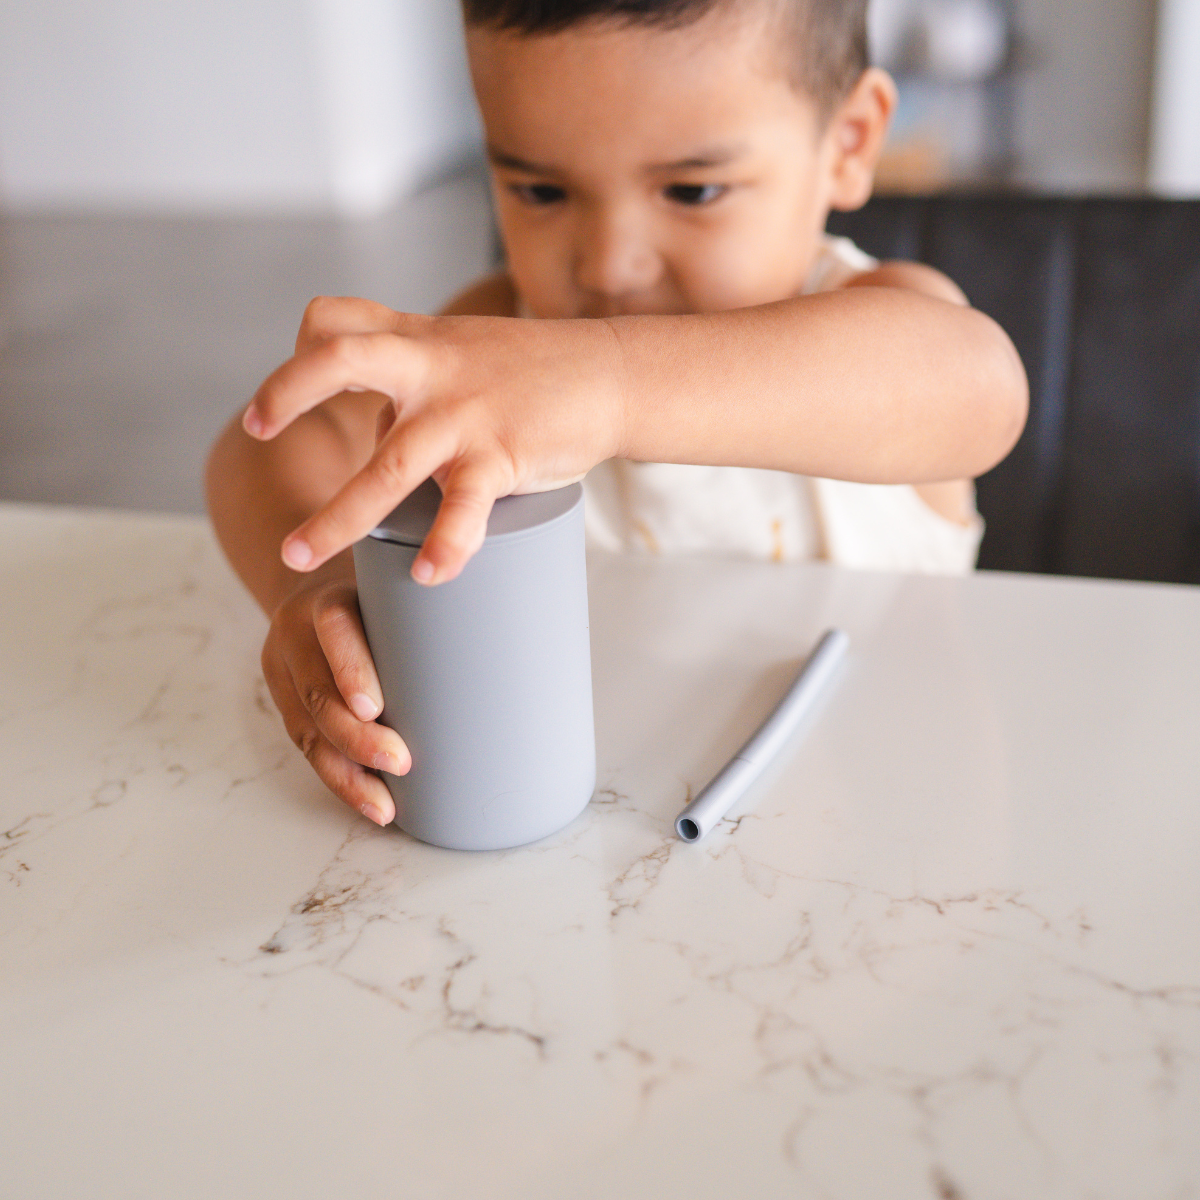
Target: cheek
[
  {"x": 753, "y": 258},
  {"x": 537, "y": 253}
]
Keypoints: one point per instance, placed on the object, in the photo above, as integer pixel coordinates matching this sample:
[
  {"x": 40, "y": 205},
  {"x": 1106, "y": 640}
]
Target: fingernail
[
  {"x": 372, "y": 813},
  {"x": 363, "y": 707},
  {"x": 422, "y": 570},
  {"x": 252, "y": 423},
  {"x": 389, "y": 763},
  {"x": 297, "y": 554}
]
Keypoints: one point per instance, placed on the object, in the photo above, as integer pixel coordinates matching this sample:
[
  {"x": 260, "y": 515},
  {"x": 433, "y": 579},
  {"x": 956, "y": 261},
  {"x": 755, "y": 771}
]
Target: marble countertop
[{"x": 949, "y": 948}]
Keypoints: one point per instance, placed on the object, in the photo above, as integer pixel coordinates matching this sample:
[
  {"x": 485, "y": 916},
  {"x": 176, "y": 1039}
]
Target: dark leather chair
[{"x": 1102, "y": 298}]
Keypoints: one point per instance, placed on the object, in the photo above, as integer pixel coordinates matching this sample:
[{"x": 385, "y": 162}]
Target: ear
[{"x": 855, "y": 136}]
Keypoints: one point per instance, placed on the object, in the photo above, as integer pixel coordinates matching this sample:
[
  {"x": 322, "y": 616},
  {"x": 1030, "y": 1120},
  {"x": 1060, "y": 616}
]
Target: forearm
[
  {"x": 872, "y": 384},
  {"x": 259, "y": 491}
]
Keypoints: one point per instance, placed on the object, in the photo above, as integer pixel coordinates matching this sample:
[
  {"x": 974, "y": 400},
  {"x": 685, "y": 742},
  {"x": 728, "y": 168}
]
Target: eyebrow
[
  {"x": 715, "y": 156},
  {"x": 513, "y": 163}
]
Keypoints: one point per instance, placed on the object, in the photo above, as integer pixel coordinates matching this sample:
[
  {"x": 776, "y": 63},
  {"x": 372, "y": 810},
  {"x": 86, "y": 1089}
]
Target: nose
[{"x": 615, "y": 255}]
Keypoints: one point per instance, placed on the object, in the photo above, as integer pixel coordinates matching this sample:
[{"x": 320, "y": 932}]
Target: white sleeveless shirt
[{"x": 744, "y": 512}]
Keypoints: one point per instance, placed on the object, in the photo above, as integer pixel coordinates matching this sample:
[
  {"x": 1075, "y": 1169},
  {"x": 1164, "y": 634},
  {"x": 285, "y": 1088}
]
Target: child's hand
[
  {"x": 489, "y": 406},
  {"x": 319, "y": 669}
]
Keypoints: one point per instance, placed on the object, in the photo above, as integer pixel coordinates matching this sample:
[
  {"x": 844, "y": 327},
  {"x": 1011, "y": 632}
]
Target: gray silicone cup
[{"x": 488, "y": 677}]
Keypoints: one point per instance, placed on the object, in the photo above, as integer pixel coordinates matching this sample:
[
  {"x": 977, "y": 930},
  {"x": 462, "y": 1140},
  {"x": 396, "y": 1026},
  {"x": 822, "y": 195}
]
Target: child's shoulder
[
  {"x": 840, "y": 263},
  {"x": 837, "y": 262}
]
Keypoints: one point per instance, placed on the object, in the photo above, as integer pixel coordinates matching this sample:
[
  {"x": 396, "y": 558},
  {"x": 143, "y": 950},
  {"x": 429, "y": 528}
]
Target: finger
[
  {"x": 353, "y": 784},
  {"x": 406, "y": 458},
  {"x": 365, "y": 742},
  {"x": 339, "y": 630},
  {"x": 349, "y": 781},
  {"x": 358, "y": 362},
  {"x": 384, "y": 421},
  {"x": 469, "y": 491},
  {"x": 327, "y": 316}
]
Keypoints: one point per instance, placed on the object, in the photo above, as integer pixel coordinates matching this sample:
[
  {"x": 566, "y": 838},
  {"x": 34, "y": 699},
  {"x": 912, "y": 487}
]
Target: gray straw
[{"x": 745, "y": 767}]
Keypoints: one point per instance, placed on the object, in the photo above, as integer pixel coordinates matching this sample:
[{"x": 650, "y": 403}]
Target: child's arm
[
  {"x": 890, "y": 380},
  {"x": 315, "y": 658}
]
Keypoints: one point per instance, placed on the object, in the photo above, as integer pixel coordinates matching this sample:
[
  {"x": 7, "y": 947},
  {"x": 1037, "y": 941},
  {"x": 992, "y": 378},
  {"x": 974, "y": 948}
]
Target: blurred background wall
[
  {"x": 1058, "y": 95},
  {"x": 1083, "y": 98},
  {"x": 231, "y": 105},
  {"x": 1175, "y": 132},
  {"x": 348, "y": 106}
]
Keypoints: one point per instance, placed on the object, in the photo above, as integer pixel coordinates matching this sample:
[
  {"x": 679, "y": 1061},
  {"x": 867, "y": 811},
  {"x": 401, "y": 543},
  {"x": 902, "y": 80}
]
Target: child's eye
[
  {"x": 538, "y": 193},
  {"x": 694, "y": 193}
]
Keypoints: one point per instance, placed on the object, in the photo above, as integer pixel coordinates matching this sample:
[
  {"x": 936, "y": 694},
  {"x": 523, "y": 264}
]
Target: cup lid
[{"x": 511, "y": 516}]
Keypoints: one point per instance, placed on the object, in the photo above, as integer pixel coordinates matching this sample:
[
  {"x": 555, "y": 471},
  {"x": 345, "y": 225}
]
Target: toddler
[{"x": 672, "y": 324}]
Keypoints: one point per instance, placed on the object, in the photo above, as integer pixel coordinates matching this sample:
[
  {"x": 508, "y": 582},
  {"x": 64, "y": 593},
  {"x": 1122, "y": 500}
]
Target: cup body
[{"x": 488, "y": 680}]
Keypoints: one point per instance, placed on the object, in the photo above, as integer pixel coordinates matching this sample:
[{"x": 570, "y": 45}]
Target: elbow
[
  {"x": 219, "y": 468},
  {"x": 1003, "y": 394},
  {"x": 213, "y": 469}
]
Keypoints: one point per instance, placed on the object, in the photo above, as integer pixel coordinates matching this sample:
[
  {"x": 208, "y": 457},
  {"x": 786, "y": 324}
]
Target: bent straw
[{"x": 728, "y": 786}]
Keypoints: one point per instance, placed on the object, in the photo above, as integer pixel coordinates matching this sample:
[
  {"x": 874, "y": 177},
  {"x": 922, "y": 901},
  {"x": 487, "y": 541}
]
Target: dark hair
[{"x": 829, "y": 37}]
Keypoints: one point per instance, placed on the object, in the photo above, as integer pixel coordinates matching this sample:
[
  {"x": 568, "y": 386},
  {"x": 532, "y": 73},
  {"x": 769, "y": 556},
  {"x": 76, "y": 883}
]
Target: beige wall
[{"x": 1083, "y": 107}]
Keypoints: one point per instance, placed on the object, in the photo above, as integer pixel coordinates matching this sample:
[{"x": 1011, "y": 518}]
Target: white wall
[
  {"x": 161, "y": 105},
  {"x": 1175, "y": 127},
  {"x": 395, "y": 96}
]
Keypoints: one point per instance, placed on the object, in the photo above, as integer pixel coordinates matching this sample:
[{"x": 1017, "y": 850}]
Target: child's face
[{"x": 640, "y": 170}]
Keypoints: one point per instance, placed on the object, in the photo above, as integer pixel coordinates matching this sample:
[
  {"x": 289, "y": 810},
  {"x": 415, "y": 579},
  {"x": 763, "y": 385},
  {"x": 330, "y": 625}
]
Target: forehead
[{"x": 608, "y": 93}]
